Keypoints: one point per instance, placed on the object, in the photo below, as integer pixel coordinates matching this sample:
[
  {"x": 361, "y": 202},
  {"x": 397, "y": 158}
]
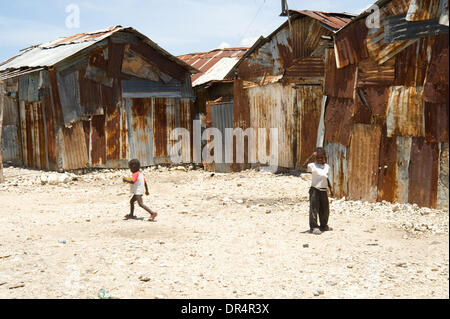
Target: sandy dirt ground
[{"x": 240, "y": 235}]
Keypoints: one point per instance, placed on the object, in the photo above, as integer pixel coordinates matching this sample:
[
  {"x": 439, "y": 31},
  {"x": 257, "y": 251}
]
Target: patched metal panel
[
  {"x": 160, "y": 137},
  {"x": 393, "y": 178},
  {"x": 338, "y": 120},
  {"x": 309, "y": 106},
  {"x": 222, "y": 118},
  {"x": 443, "y": 185},
  {"x": 338, "y": 82},
  {"x": 273, "y": 106},
  {"x": 436, "y": 82},
  {"x": 423, "y": 173},
  {"x": 97, "y": 154},
  {"x": 350, "y": 45},
  {"x": 69, "y": 96},
  {"x": 443, "y": 12},
  {"x": 337, "y": 159},
  {"x": 142, "y": 88},
  {"x": 140, "y": 129},
  {"x": 241, "y": 119},
  {"x": 373, "y": 101},
  {"x": 405, "y": 114},
  {"x": 423, "y": 10},
  {"x": 411, "y": 64},
  {"x": 397, "y": 28},
  {"x": 11, "y": 142},
  {"x": 436, "y": 122},
  {"x": 363, "y": 162},
  {"x": 372, "y": 74},
  {"x": 75, "y": 153},
  {"x": 310, "y": 70}
]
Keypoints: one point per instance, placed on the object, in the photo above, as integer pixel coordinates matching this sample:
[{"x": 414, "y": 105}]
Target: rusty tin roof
[
  {"x": 213, "y": 65},
  {"x": 50, "y": 53}
]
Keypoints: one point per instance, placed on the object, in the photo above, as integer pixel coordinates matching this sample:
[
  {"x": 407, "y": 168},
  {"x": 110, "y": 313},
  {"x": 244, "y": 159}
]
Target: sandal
[{"x": 129, "y": 217}]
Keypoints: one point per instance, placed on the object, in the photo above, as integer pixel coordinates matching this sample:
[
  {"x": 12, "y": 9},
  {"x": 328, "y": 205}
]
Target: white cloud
[{"x": 224, "y": 45}]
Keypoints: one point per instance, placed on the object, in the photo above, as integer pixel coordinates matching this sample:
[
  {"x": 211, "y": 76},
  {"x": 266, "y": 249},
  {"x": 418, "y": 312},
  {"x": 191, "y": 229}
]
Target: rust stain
[
  {"x": 436, "y": 83},
  {"x": 423, "y": 173},
  {"x": 350, "y": 45},
  {"x": 159, "y": 128},
  {"x": 50, "y": 130},
  {"x": 436, "y": 122},
  {"x": 405, "y": 114},
  {"x": 338, "y": 82},
  {"x": 98, "y": 142},
  {"x": 363, "y": 162},
  {"x": 372, "y": 74},
  {"x": 338, "y": 120}
]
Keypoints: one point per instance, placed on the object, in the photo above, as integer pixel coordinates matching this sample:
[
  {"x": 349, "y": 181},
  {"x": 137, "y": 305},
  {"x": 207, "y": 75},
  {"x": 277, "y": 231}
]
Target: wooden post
[{"x": 2, "y": 102}]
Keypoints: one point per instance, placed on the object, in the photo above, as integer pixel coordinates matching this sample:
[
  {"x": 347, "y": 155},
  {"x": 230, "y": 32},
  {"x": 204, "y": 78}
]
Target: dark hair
[
  {"x": 134, "y": 164},
  {"x": 321, "y": 150}
]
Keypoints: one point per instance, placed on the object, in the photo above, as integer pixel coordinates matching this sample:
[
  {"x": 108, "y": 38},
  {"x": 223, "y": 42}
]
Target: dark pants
[
  {"x": 318, "y": 205},
  {"x": 138, "y": 198}
]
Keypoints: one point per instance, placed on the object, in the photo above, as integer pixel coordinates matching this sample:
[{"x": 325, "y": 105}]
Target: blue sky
[{"x": 179, "y": 26}]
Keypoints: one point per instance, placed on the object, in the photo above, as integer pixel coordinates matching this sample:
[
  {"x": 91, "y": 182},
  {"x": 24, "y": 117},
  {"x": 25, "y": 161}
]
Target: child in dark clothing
[
  {"x": 318, "y": 198},
  {"x": 137, "y": 188}
]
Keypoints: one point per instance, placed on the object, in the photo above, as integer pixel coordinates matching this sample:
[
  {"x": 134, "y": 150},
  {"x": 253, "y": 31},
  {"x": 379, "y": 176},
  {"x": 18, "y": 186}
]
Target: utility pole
[{"x": 284, "y": 7}]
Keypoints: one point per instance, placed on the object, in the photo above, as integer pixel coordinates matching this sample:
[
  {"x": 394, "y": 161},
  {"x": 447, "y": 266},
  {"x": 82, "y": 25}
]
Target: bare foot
[
  {"x": 152, "y": 217},
  {"x": 129, "y": 216}
]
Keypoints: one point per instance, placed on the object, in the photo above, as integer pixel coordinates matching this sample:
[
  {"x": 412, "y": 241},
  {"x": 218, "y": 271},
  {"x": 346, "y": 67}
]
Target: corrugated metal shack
[
  {"x": 214, "y": 94},
  {"x": 280, "y": 81},
  {"x": 386, "y": 117},
  {"x": 94, "y": 100}
]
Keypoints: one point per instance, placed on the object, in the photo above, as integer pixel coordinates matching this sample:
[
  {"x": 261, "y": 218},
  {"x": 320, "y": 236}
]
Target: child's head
[
  {"x": 134, "y": 165},
  {"x": 321, "y": 156}
]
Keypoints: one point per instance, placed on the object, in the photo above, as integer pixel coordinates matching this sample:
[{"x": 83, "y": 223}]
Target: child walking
[
  {"x": 138, "y": 187},
  {"x": 318, "y": 198}
]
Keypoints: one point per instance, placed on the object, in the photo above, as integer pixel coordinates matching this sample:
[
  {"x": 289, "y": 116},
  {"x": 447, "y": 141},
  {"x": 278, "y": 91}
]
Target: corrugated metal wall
[{"x": 399, "y": 120}]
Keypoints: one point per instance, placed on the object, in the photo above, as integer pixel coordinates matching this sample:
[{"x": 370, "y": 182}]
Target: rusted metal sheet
[
  {"x": 337, "y": 159},
  {"x": 423, "y": 173},
  {"x": 411, "y": 64},
  {"x": 75, "y": 153},
  {"x": 273, "y": 106},
  {"x": 436, "y": 122},
  {"x": 69, "y": 94},
  {"x": 214, "y": 65},
  {"x": 405, "y": 113},
  {"x": 309, "y": 105},
  {"x": 241, "y": 119},
  {"x": 310, "y": 70},
  {"x": 112, "y": 126},
  {"x": 306, "y": 36},
  {"x": 380, "y": 50},
  {"x": 222, "y": 118},
  {"x": 443, "y": 12},
  {"x": 436, "y": 83},
  {"x": 159, "y": 129},
  {"x": 372, "y": 74},
  {"x": 136, "y": 65},
  {"x": 333, "y": 21},
  {"x": 98, "y": 141},
  {"x": 90, "y": 95},
  {"x": 34, "y": 146},
  {"x": 10, "y": 137},
  {"x": 338, "y": 120},
  {"x": 373, "y": 101},
  {"x": 443, "y": 183},
  {"x": 363, "y": 162},
  {"x": 140, "y": 129},
  {"x": 338, "y": 82},
  {"x": 422, "y": 10},
  {"x": 398, "y": 29},
  {"x": 393, "y": 175},
  {"x": 350, "y": 46},
  {"x": 115, "y": 56}
]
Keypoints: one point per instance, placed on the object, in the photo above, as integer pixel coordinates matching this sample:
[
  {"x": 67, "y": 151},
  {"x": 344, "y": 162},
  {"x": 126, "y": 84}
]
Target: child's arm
[
  {"x": 308, "y": 160},
  {"x": 127, "y": 180},
  {"x": 146, "y": 188},
  {"x": 331, "y": 188}
]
